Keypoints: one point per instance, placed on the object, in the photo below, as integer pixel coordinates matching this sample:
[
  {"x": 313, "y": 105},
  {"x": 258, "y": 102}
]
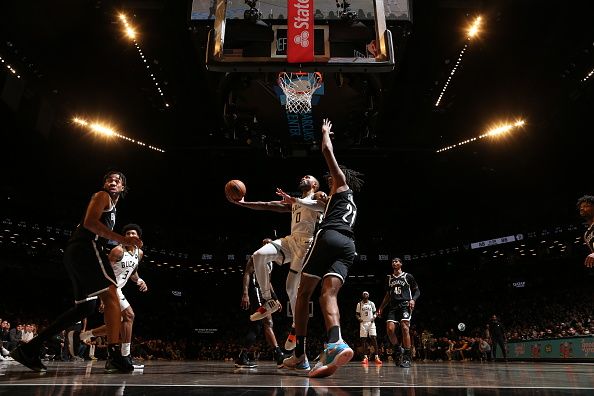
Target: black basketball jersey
[
  {"x": 401, "y": 287},
  {"x": 340, "y": 213},
  {"x": 108, "y": 218}
]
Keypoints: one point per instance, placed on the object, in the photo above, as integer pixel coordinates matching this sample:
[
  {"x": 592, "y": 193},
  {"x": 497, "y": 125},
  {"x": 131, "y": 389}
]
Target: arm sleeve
[{"x": 358, "y": 309}]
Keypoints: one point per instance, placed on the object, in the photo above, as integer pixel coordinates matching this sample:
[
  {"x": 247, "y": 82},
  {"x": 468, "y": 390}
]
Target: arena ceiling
[{"x": 531, "y": 61}]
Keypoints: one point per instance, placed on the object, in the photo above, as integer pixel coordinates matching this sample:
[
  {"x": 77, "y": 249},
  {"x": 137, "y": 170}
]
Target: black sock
[
  {"x": 333, "y": 334},
  {"x": 300, "y": 347},
  {"x": 292, "y": 331}
]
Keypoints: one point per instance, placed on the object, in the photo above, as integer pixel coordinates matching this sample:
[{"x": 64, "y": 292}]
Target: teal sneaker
[{"x": 334, "y": 356}]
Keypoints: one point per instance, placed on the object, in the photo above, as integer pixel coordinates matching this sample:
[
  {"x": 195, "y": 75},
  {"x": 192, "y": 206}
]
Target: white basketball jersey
[
  {"x": 304, "y": 219},
  {"x": 126, "y": 266},
  {"x": 366, "y": 309}
]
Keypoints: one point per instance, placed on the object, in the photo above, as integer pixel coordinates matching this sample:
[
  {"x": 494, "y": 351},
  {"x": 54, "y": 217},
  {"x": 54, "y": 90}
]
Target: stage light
[
  {"x": 10, "y": 68},
  {"x": 107, "y": 131},
  {"x": 493, "y": 132},
  {"x": 132, "y": 34},
  {"x": 588, "y": 75},
  {"x": 473, "y": 31}
]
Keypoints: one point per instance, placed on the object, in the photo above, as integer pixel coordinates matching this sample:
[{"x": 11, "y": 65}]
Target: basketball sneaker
[
  {"x": 335, "y": 355},
  {"x": 291, "y": 342},
  {"x": 116, "y": 362},
  {"x": 406, "y": 359},
  {"x": 28, "y": 359},
  {"x": 266, "y": 309},
  {"x": 378, "y": 361},
  {"x": 296, "y": 363},
  {"x": 279, "y": 357},
  {"x": 365, "y": 360},
  {"x": 244, "y": 362}
]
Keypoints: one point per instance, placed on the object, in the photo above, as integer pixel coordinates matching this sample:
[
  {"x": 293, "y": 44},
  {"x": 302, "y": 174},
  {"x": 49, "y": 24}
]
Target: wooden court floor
[{"x": 222, "y": 378}]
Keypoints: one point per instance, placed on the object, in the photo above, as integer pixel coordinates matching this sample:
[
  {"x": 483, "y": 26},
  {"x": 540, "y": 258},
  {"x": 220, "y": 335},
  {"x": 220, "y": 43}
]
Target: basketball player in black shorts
[
  {"x": 402, "y": 293},
  {"x": 92, "y": 276},
  {"x": 328, "y": 262},
  {"x": 252, "y": 299}
]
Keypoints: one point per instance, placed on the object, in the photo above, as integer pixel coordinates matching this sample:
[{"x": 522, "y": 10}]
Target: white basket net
[{"x": 298, "y": 89}]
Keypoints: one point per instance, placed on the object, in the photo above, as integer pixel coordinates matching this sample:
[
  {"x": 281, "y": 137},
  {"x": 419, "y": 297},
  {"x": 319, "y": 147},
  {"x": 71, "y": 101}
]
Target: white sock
[
  {"x": 125, "y": 348},
  {"x": 92, "y": 351}
]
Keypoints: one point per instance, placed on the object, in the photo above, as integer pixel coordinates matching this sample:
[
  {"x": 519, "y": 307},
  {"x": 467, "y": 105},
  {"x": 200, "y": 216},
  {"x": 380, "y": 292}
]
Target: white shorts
[
  {"x": 367, "y": 329},
  {"x": 124, "y": 304},
  {"x": 294, "y": 249}
]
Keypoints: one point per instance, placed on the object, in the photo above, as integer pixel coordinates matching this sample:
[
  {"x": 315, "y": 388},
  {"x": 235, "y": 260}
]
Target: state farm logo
[
  {"x": 302, "y": 39},
  {"x": 302, "y": 19}
]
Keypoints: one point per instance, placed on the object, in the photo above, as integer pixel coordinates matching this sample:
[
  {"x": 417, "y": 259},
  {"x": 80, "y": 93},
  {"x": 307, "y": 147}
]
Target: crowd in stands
[{"x": 528, "y": 318}]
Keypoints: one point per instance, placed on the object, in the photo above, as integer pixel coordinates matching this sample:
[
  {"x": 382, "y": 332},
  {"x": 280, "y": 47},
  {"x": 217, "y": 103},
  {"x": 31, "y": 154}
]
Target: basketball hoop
[{"x": 299, "y": 87}]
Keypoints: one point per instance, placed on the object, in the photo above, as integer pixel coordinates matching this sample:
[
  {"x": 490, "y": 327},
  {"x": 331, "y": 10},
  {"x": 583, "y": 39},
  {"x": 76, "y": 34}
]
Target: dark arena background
[{"x": 470, "y": 120}]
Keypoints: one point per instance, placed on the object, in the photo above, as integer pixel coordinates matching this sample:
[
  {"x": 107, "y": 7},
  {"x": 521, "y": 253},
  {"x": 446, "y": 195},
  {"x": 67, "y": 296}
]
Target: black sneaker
[
  {"x": 406, "y": 362},
  {"x": 28, "y": 359},
  {"x": 244, "y": 362},
  {"x": 135, "y": 364},
  {"x": 117, "y": 362},
  {"x": 279, "y": 356}
]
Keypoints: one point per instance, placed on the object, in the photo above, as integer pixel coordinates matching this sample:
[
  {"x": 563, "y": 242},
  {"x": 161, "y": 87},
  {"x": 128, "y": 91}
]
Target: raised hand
[
  {"x": 327, "y": 127},
  {"x": 286, "y": 198}
]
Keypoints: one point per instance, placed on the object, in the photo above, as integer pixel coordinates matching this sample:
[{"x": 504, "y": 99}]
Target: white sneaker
[
  {"x": 291, "y": 342},
  {"x": 267, "y": 309}
]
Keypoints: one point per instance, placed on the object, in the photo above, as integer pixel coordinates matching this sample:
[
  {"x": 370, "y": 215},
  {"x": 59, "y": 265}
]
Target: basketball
[
  {"x": 461, "y": 326},
  {"x": 235, "y": 189}
]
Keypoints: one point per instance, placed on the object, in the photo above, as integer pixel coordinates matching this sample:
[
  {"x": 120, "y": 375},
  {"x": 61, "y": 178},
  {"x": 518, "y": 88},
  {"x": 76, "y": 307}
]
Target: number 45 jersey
[
  {"x": 401, "y": 288},
  {"x": 126, "y": 266}
]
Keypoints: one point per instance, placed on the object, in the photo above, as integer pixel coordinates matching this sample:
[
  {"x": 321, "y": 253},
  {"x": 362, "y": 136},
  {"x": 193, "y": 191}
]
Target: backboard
[{"x": 252, "y": 36}]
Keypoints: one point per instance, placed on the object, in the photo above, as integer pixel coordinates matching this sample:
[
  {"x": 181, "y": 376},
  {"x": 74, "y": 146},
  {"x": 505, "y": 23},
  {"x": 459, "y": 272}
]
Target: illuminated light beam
[
  {"x": 472, "y": 32},
  {"x": 494, "y": 132},
  {"x": 107, "y": 131},
  {"x": 10, "y": 68},
  {"x": 588, "y": 75},
  {"x": 132, "y": 34}
]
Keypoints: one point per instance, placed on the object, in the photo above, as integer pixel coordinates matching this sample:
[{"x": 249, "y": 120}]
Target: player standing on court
[
  {"x": 90, "y": 271},
  {"x": 124, "y": 261},
  {"x": 366, "y": 315},
  {"x": 402, "y": 293},
  {"x": 252, "y": 298}
]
